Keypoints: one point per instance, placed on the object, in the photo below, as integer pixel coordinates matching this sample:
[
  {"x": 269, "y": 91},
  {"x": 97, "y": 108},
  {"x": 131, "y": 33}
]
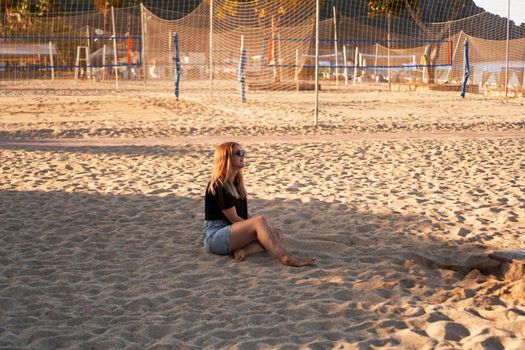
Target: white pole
[
  {"x": 316, "y": 110},
  {"x": 51, "y": 61},
  {"x": 356, "y": 63},
  {"x": 115, "y": 58},
  {"x": 50, "y": 49},
  {"x": 346, "y": 64},
  {"x": 507, "y": 52},
  {"x": 279, "y": 58},
  {"x": 388, "y": 56},
  {"x": 143, "y": 32},
  {"x": 377, "y": 54},
  {"x": 104, "y": 62},
  {"x": 297, "y": 69},
  {"x": 211, "y": 50},
  {"x": 89, "y": 51},
  {"x": 77, "y": 64},
  {"x": 336, "y": 51},
  {"x": 273, "y": 51}
]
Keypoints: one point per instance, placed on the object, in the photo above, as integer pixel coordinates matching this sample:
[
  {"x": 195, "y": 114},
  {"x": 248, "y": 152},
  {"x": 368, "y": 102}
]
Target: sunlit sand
[{"x": 401, "y": 196}]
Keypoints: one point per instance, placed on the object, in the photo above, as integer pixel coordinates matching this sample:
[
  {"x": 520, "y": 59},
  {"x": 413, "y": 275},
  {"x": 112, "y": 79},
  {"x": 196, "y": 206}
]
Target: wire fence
[{"x": 286, "y": 46}]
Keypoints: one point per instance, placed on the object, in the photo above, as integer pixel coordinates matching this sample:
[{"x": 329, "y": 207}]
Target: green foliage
[
  {"x": 390, "y": 7},
  {"x": 26, "y": 6},
  {"x": 20, "y": 14}
]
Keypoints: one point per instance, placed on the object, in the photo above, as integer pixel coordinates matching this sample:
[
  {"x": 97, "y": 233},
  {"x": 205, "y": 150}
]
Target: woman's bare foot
[
  {"x": 298, "y": 261},
  {"x": 239, "y": 254},
  {"x": 250, "y": 249}
]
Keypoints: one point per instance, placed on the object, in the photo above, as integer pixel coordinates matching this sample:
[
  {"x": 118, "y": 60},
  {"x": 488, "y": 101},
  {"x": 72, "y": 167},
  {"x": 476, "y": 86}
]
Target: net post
[
  {"x": 240, "y": 71},
  {"x": 89, "y": 50},
  {"x": 345, "y": 63},
  {"x": 336, "y": 53},
  {"x": 211, "y": 50},
  {"x": 377, "y": 54},
  {"x": 177, "y": 63},
  {"x": 104, "y": 50},
  {"x": 296, "y": 75},
  {"x": 280, "y": 56},
  {"x": 507, "y": 52},
  {"x": 389, "y": 19},
  {"x": 143, "y": 48},
  {"x": 272, "y": 39},
  {"x": 466, "y": 68},
  {"x": 51, "y": 60},
  {"x": 77, "y": 63},
  {"x": 128, "y": 50},
  {"x": 316, "y": 88},
  {"x": 356, "y": 57},
  {"x": 115, "y": 58}
]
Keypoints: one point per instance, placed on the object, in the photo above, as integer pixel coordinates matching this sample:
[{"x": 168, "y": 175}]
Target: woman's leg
[
  {"x": 252, "y": 248},
  {"x": 257, "y": 228}
]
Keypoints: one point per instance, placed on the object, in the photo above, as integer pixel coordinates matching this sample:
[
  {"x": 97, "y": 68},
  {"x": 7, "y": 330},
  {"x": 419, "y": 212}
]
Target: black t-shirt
[{"x": 214, "y": 204}]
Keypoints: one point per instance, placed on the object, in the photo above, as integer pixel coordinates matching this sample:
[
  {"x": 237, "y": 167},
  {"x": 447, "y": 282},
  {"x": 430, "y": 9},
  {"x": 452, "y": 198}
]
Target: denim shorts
[{"x": 216, "y": 236}]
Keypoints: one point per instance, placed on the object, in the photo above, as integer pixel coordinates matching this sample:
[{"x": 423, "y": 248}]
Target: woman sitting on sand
[{"x": 228, "y": 228}]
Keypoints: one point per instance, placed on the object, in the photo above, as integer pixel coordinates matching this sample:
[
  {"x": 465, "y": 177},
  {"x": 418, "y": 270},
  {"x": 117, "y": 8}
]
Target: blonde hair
[{"x": 222, "y": 171}]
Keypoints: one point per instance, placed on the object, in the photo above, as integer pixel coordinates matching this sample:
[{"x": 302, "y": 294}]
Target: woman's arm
[{"x": 231, "y": 215}]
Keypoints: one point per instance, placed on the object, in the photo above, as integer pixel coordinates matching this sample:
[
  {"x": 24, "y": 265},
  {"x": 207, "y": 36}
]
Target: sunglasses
[{"x": 241, "y": 153}]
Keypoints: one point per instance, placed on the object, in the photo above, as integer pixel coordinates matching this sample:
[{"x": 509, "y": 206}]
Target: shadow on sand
[{"x": 118, "y": 271}]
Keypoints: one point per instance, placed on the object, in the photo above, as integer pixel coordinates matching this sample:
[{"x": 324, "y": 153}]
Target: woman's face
[{"x": 238, "y": 157}]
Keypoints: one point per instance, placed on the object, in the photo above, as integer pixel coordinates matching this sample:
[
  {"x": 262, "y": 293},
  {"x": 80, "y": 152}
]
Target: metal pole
[
  {"x": 51, "y": 61},
  {"x": 240, "y": 72},
  {"x": 356, "y": 64},
  {"x": 143, "y": 29},
  {"x": 89, "y": 51},
  {"x": 389, "y": 18},
  {"x": 507, "y": 52},
  {"x": 177, "y": 63},
  {"x": 336, "y": 53},
  {"x": 211, "y": 50},
  {"x": 115, "y": 58},
  {"x": 316, "y": 110},
  {"x": 345, "y": 60},
  {"x": 296, "y": 73}
]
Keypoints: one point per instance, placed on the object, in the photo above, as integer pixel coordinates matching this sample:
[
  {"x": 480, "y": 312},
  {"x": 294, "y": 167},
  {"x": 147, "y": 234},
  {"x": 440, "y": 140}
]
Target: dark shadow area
[{"x": 129, "y": 271}]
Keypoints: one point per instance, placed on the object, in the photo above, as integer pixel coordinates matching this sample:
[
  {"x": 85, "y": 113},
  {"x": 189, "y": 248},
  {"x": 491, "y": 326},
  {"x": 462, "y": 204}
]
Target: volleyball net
[{"x": 277, "y": 40}]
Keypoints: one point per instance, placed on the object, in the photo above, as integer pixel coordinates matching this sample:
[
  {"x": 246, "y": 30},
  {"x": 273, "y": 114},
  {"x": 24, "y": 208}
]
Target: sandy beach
[{"x": 401, "y": 196}]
